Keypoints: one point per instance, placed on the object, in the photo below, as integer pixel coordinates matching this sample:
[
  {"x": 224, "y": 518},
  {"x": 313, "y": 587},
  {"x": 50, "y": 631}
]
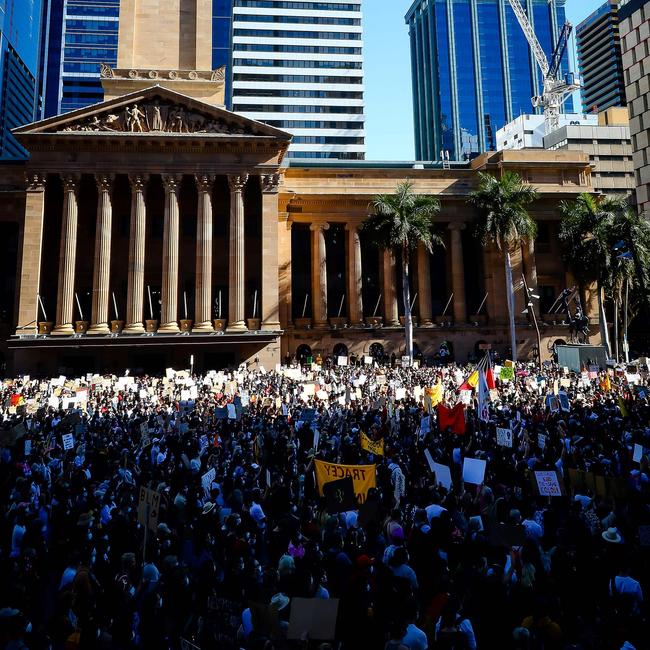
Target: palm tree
[
  {"x": 399, "y": 222},
  {"x": 607, "y": 242},
  {"x": 504, "y": 221},
  {"x": 585, "y": 234}
]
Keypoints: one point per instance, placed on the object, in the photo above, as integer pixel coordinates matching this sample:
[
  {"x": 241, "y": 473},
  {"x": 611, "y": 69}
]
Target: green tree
[
  {"x": 399, "y": 222},
  {"x": 585, "y": 235},
  {"x": 504, "y": 221},
  {"x": 607, "y": 242}
]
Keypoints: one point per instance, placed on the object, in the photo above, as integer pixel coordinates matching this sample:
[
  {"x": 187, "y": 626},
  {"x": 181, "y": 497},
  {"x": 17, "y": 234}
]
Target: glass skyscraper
[
  {"x": 473, "y": 71},
  {"x": 19, "y": 37},
  {"x": 81, "y": 34}
]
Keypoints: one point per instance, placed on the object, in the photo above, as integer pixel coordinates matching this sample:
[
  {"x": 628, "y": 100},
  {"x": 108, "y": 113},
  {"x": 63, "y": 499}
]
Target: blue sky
[{"x": 389, "y": 108}]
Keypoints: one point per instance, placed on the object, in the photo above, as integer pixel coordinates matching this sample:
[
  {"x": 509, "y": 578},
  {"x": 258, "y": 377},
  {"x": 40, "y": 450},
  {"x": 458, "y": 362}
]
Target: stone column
[
  {"x": 355, "y": 276},
  {"x": 319, "y": 275},
  {"x": 284, "y": 247},
  {"x": 30, "y": 264},
  {"x": 424, "y": 287},
  {"x": 389, "y": 275},
  {"x": 203, "y": 292},
  {"x": 270, "y": 311},
  {"x": 169, "y": 307},
  {"x": 237, "y": 268},
  {"x": 135, "y": 290},
  {"x": 458, "y": 273},
  {"x": 102, "y": 270},
  {"x": 67, "y": 257}
]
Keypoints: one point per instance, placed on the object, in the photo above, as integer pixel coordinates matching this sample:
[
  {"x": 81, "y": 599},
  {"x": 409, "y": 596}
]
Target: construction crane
[{"x": 556, "y": 88}]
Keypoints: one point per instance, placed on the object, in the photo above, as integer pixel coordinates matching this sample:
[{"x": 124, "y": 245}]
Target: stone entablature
[{"x": 106, "y": 72}]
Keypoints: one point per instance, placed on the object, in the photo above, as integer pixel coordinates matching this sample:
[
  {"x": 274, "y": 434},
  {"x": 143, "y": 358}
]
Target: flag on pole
[
  {"x": 489, "y": 374},
  {"x": 483, "y": 397},
  {"x": 484, "y": 365}
]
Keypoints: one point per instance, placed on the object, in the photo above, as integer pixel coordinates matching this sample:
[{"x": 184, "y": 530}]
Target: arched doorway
[
  {"x": 377, "y": 351},
  {"x": 303, "y": 353},
  {"x": 340, "y": 350}
]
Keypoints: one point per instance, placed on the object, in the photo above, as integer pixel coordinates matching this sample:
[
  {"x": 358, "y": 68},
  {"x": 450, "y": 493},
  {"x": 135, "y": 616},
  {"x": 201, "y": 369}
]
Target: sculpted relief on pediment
[{"x": 158, "y": 117}]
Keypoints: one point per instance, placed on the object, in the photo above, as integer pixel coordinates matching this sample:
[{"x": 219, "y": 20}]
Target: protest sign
[
  {"x": 507, "y": 374},
  {"x": 638, "y": 453},
  {"x": 340, "y": 496},
  {"x": 508, "y": 535},
  {"x": 342, "y": 361},
  {"x": 207, "y": 478},
  {"x": 400, "y": 394},
  {"x": 363, "y": 476},
  {"x": 443, "y": 475},
  {"x": 474, "y": 470},
  {"x": 563, "y": 399},
  {"x": 313, "y": 618},
  {"x": 372, "y": 446},
  {"x": 68, "y": 441},
  {"x": 232, "y": 411},
  {"x": 504, "y": 437},
  {"x": 368, "y": 360},
  {"x": 429, "y": 457},
  {"x": 148, "y": 506},
  {"x": 548, "y": 484},
  {"x": 28, "y": 447}
]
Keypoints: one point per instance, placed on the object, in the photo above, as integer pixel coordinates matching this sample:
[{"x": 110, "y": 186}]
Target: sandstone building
[{"x": 156, "y": 225}]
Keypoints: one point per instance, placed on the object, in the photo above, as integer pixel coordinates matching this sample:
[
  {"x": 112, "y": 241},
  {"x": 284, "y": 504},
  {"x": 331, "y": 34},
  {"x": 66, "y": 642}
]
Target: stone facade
[
  {"x": 157, "y": 227},
  {"x": 608, "y": 146}
]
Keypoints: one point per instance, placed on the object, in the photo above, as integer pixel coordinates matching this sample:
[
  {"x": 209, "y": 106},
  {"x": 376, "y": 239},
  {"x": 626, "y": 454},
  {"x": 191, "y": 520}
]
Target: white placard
[
  {"x": 232, "y": 411},
  {"x": 504, "y": 437},
  {"x": 368, "y": 360},
  {"x": 474, "y": 470},
  {"x": 638, "y": 453},
  {"x": 400, "y": 393},
  {"x": 342, "y": 361},
  {"x": 443, "y": 475},
  {"x": 427, "y": 455},
  {"x": 466, "y": 397},
  {"x": 68, "y": 441},
  {"x": 548, "y": 484}
]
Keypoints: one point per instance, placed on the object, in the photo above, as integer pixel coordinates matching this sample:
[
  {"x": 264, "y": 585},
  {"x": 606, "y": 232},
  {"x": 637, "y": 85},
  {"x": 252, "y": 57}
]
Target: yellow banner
[
  {"x": 363, "y": 476},
  {"x": 435, "y": 394},
  {"x": 372, "y": 447}
]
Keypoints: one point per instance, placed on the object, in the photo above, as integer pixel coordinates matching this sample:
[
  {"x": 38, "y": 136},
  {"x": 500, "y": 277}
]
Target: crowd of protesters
[{"x": 223, "y": 564}]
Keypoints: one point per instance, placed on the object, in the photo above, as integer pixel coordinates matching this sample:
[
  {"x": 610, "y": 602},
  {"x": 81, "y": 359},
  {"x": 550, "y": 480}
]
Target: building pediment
[{"x": 156, "y": 111}]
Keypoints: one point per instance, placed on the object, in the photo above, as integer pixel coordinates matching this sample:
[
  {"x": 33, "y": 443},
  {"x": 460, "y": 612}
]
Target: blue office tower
[
  {"x": 473, "y": 71},
  {"x": 19, "y": 36},
  {"x": 78, "y": 35},
  {"x": 81, "y": 34}
]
